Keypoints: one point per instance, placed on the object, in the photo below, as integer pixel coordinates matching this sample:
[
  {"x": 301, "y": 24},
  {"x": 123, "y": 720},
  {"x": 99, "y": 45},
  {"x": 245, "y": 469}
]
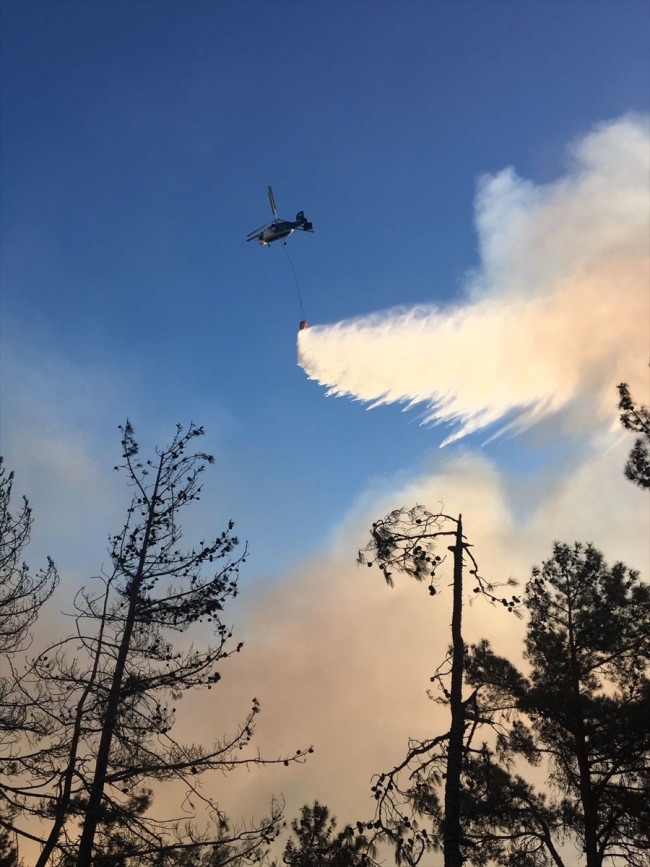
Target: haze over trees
[
  {"x": 100, "y": 704},
  {"x": 86, "y": 724},
  {"x": 581, "y": 712}
]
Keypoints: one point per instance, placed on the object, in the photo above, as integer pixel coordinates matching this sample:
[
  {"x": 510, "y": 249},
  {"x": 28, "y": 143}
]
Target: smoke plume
[{"x": 558, "y": 308}]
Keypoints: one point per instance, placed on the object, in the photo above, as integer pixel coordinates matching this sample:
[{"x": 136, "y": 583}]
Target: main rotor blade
[
  {"x": 272, "y": 201},
  {"x": 256, "y": 231}
]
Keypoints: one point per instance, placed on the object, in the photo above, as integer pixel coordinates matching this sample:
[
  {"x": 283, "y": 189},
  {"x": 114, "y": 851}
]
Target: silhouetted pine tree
[
  {"x": 584, "y": 710},
  {"x": 405, "y": 541},
  {"x": 636, "y": 418},
  {"x": 22, "y": 594},
  {"x": 317, "y": 845},
  {"x": 8, "y": 852}
]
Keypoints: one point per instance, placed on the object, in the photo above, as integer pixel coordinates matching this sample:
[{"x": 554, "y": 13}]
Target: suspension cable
[{"x": 295, "y": 277}]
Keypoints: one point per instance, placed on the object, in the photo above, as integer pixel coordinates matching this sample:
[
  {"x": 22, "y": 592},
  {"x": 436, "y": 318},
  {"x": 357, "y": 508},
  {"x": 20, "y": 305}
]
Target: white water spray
[{"x": 558, "y": 309}]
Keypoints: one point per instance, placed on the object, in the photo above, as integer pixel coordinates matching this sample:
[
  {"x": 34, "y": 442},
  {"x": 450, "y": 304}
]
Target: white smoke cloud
[{"x": 559, "y": 307}]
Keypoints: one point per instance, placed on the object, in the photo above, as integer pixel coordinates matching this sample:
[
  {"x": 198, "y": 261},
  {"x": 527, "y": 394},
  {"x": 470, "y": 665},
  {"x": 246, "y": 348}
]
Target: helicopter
[{"x": 279, "y": 229}]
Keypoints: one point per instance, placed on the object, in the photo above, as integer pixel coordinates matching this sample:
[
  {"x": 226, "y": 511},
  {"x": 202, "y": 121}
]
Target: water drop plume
[{"x": 557, "y": 313}]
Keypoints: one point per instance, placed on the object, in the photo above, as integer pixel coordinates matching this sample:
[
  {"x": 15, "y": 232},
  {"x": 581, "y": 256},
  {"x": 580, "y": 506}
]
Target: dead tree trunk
[{"x": 452, "y": 826}]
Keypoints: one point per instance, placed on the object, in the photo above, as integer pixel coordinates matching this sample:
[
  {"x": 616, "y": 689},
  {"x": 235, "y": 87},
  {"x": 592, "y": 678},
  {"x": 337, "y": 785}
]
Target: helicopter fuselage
[{"x": 275, "y": 232}]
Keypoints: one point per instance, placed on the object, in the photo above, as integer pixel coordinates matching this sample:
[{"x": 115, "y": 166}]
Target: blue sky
[{"x": 137, "y": 143}]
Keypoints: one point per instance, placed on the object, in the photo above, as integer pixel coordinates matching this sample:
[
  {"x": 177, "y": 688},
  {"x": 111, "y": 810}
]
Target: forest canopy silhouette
[{"x": 87, "y": 720}]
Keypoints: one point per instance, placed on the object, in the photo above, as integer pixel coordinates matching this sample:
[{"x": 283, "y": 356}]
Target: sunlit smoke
[{"x": 559, "y": 307}]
